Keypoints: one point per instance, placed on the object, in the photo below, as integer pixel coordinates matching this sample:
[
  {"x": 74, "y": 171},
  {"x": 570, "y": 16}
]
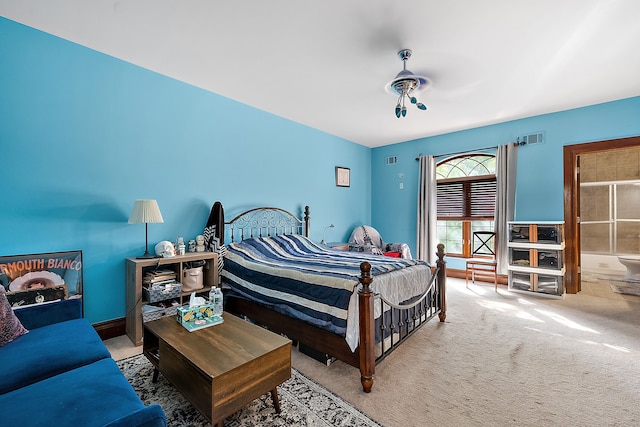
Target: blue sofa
[{"x": 60, "y": 373}]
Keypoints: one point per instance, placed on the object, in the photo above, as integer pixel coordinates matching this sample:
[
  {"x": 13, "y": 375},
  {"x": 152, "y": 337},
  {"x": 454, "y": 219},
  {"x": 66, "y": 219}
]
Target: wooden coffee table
[{"x": 222, "y": 368}]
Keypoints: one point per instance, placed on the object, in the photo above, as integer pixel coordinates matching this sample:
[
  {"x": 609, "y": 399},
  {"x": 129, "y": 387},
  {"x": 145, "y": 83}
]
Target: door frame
[{"x": 572, "y": 202}]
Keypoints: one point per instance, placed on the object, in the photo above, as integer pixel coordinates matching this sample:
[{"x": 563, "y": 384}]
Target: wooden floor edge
[{"x": 110, "y": 328}]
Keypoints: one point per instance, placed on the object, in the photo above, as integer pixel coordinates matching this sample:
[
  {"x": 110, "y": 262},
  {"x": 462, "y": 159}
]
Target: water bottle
[{"x": 216, "y": 299}]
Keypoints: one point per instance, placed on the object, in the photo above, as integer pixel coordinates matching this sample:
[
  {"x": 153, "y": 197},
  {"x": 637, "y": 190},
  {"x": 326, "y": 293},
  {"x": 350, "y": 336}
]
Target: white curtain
[
  {"x": 506, "y": 161},
  {"x": 427, "y": 211}
]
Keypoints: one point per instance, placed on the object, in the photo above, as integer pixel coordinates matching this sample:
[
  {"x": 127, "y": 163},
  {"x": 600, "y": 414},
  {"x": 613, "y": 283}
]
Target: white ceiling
[{"x": 325, "y": 63}]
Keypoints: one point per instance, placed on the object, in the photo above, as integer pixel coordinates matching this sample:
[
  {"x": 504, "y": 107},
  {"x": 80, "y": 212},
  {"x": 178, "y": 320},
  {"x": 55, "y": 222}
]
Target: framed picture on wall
[
  {"x": 343, "y": 177},
  {"x": 41, "y": 278}
]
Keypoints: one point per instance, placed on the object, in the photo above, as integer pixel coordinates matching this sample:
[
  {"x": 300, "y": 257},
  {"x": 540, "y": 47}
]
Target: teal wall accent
[
  {"x": 539, "y": 188},
  {"x": 82, "y": 135}
]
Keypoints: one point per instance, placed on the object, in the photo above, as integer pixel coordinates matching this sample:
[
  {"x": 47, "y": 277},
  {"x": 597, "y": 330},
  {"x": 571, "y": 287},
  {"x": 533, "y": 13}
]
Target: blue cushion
[
  {"x": 37, "y": 316},
  {"x": 48, "y": 351},
  {"x": 93, "y": 395}
]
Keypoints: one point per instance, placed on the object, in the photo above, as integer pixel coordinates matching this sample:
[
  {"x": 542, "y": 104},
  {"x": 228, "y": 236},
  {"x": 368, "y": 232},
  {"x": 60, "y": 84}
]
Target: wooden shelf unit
[{"x": 135, "y": 270}]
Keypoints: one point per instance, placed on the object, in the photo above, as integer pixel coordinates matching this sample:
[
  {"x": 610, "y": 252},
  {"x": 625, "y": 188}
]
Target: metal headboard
[{"x": 266, "y": 222}]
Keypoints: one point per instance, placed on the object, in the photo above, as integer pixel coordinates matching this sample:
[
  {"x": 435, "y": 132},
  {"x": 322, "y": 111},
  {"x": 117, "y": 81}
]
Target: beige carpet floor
[
  {"x": 506, "y": 359},
  {"x": 503, "y": 359}
]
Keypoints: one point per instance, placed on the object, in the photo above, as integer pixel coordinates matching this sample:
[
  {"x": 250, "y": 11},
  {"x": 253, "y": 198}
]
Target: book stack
[{"x": 159, "y": 278}]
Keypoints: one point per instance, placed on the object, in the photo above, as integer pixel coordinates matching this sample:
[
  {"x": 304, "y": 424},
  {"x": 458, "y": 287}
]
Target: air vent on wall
[
  {"x": 391, "y": 160},
  {"x": 532, "y": 138}
]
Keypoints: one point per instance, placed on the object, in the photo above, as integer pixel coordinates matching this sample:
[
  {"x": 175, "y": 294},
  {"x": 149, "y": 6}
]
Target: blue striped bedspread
[{"x": 297, "y": 277}]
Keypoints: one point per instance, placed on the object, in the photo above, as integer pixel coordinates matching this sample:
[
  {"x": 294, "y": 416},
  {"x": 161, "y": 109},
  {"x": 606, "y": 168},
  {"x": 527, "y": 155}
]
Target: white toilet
[{"x": 632, "y": 263}]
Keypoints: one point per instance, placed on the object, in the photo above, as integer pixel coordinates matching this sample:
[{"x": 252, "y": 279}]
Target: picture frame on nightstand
[{"x": 343, "y": 176}]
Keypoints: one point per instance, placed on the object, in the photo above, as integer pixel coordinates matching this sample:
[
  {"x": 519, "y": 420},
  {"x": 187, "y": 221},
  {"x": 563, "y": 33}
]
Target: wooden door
[{"x": 572, "y": 202}]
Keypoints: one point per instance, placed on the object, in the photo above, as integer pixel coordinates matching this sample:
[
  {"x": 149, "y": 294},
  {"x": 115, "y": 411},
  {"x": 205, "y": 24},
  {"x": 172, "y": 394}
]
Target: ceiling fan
[{"x": 406, "y": 85}]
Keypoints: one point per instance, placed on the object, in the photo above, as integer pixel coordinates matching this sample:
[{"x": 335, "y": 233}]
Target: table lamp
[
  {"x": 324, "y": 242},
  {"x": 145, "y": 211}
]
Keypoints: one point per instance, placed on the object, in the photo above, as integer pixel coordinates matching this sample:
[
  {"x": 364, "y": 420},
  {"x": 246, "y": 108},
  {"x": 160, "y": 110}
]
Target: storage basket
[
  {"x": 192, "y": 279},
  {"x": 152, "y": 312},
  {"x": 171, "y": 311},
  {"x": 162, "y": 292}
]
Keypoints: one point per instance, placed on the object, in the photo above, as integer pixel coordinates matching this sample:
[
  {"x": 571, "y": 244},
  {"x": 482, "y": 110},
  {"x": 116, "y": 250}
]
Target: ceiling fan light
[{"x": 405, "y": 84}]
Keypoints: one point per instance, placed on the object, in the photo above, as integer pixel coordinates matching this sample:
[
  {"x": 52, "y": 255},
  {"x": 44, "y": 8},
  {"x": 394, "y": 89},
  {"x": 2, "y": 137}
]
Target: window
[{"x": 466, "y": 199}]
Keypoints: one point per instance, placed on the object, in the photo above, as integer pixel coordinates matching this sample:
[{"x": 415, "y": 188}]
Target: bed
[{"x": 351, "y": 306}]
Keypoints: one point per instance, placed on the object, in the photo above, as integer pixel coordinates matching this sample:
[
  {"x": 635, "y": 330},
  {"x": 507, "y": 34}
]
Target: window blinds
[{"x": 466, "y": 199}]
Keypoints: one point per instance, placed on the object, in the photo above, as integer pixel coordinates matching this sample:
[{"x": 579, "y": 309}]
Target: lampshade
[{"x": 145, "y": 211}]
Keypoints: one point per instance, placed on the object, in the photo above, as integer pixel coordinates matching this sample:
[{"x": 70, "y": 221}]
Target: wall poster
[{"x": 41, "y": 278}]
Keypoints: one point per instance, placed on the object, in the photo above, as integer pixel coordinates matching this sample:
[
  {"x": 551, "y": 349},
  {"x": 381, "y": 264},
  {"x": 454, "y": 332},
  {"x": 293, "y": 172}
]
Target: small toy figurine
[
  {"x": 180, "y": 247},
  {"x": 199, "y": 243}
]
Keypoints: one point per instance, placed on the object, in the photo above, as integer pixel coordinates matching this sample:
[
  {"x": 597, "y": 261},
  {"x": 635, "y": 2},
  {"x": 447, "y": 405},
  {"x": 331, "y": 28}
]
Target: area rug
[
  {"x": 627, "y": 289},
  {"x": 303, "y": 402}
]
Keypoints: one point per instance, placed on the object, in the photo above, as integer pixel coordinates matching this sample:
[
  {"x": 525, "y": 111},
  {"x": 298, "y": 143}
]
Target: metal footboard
[{"x": 399, "y": 321}]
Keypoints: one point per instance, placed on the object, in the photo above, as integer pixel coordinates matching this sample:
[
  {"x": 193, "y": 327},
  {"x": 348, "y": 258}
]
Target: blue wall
[
  {"x": 539, "y": 188},
  {"x": 82, "y": 135}
]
